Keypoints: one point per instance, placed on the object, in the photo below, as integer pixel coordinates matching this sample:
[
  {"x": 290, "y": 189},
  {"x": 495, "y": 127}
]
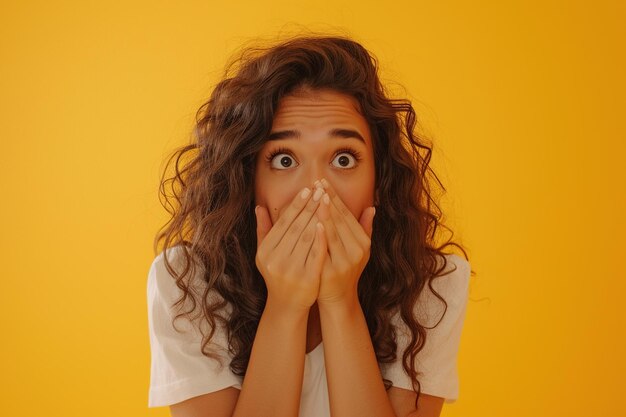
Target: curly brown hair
[{"x": 213, "y": 218}]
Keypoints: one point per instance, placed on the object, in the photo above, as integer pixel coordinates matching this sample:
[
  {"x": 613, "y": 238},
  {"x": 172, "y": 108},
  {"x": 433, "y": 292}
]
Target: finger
[
  {"x": 355, "y": 249},
  {"x": 343, "y": 230},
  {"x": 367, "y": 220},
  {"x": 319, "y": 251},
  {"x": 336, "y": 247},
  {"x": 289, "y": 240},
  {"x": 278, "y": 230},
  {"x": 263, "y": 224},
  {"x": 305, "y": 242},
  {"x": 344, "y": 213}
]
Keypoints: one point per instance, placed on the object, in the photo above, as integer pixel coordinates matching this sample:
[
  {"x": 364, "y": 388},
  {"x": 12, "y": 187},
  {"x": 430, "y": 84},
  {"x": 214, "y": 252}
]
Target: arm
[
  {"x": 354, "y": 381},
  {"x": 355, "y": 386},
  {"x": 273, "y": 382},
  {"x": 403, "y": 402}
]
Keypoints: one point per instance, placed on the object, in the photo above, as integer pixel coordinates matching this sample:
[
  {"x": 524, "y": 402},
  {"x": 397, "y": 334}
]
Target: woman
[{"x": 301, "y": 254}]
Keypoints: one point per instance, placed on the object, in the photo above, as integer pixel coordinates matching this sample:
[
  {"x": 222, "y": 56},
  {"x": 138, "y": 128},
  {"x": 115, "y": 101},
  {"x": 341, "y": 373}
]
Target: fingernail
[
  {"x": 326, "y": 198},
  {"x": 318, "y": 194},
  {"x": 305, "y": 193},
  {"x": 325, "y": 183},
  {"x": 318, "y": 183}
]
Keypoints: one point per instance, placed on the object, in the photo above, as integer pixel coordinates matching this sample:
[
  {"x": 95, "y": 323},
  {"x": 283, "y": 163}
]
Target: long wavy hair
[{"x": 211, "y": 202}]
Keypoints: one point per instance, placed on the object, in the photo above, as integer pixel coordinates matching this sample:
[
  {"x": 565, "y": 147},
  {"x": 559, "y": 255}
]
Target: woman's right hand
[{"x": 290, "y": 255}]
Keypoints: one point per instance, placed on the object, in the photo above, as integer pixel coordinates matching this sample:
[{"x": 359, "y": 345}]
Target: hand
[
  {"x": 290, "y": 254},
  {"x": 348, "y": 243}
]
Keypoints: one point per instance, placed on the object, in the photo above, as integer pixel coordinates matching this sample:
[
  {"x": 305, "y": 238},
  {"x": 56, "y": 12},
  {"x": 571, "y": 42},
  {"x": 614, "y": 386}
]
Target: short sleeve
[
  {"x": 436, "y": 363},
  {"x": 178, "y": 369}
]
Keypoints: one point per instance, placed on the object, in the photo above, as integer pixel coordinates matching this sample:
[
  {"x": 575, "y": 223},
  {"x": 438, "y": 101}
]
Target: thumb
[
  {"x": 263, "y": 224},
  {"x": 321, "y": 248},
  {"x": 367, "y": 220}
]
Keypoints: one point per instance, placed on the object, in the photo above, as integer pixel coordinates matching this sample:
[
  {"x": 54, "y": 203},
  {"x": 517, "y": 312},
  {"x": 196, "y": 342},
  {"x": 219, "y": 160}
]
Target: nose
[{"x": 314, "y": 174}]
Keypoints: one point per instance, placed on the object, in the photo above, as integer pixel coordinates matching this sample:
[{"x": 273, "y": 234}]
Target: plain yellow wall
[{"x": 525, "y": 102}]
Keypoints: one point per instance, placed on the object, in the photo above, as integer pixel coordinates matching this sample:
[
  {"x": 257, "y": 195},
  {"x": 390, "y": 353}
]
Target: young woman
[{"x": 300, "y": 257}]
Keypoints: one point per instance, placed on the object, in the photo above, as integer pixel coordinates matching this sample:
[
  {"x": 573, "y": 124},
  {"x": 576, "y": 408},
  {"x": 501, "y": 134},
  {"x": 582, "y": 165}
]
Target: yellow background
[{"x": 525, "y": 101}]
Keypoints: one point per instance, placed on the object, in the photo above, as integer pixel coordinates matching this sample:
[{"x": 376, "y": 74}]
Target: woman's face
[{"x": 315, "y": 135}]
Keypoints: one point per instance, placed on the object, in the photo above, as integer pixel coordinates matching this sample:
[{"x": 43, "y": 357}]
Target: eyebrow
[{"x": 336, "y": 133}]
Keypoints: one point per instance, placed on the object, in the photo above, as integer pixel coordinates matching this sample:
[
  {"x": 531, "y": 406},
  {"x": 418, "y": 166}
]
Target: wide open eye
[
  {"x": 344, "y": 160},
  {"x": 283, "y": 162},
  {"x": 286, "y": 157}
]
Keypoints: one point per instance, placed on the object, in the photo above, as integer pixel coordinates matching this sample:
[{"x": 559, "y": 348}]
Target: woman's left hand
[{"x": 348, "y": 243}]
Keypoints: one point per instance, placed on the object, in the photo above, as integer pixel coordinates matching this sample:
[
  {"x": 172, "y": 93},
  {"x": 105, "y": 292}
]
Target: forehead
[{"x": 319, "y": 109}]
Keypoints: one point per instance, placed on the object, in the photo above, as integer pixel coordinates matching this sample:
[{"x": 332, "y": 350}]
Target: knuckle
[
  {"x": 298, "y": 203},
  {"x": 275, "y": 268},
  {"x": 281, "y": 221},
  {"x": 307, "y": 235},
  {"x": 311, "y": 207},
  {"x": 295, "y": 228}
]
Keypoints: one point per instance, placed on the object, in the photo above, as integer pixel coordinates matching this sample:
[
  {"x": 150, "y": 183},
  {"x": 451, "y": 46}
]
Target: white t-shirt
[{"x": 180, "y": 371}]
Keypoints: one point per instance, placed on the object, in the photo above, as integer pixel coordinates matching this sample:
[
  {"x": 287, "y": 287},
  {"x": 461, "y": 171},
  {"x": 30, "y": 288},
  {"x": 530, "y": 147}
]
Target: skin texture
[{"x": 314, "y": 156}]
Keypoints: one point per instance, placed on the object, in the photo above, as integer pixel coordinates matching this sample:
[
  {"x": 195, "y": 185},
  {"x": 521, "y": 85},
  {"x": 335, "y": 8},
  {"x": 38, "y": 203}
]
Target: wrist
[
  {"x": 280, "y": 311},
  {"x": 342, "y": 306}
]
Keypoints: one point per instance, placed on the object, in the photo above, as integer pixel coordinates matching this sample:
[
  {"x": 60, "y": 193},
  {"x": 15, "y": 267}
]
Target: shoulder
[
  {"x": 158, "y": 273},
  {"x": 453, "y": 281},
  {"x": 168, "y": 303},
  {"x": 180, "y": 369},
  {"x": 452, "y": 284},
  {"x": 162, "y": 286},
  {"x": 160, "y": 276},
  {"x": 443, "y": 323},
  {"x": 175, "y": 257}
]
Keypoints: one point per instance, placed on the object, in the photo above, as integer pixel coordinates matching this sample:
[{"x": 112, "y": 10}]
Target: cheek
[
  {"x": 274, "y": 199},
  {"x": 356, "y": 199}
]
